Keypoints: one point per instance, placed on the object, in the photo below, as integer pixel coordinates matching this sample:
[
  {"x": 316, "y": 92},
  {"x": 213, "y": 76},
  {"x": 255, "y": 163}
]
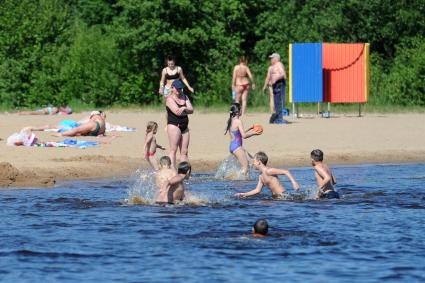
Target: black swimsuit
[
  {"x": 169, "y": 77},
  {"x": 180, "y": 121}
]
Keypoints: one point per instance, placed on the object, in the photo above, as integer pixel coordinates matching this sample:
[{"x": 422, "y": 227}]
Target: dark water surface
[{"x": 85, "y": 231}]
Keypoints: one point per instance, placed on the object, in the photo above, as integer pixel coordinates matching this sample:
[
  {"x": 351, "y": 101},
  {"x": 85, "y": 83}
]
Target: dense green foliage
[{"x": 104, "y": 52}]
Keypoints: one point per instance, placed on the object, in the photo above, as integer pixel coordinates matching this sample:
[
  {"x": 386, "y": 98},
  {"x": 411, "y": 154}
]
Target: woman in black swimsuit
[
  {"x": 178, "y": 107},
  {"x": 169, "y": 74}
]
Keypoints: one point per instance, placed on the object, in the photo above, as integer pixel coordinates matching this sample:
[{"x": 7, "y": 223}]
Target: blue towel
[{"x": 80, "y": 144}]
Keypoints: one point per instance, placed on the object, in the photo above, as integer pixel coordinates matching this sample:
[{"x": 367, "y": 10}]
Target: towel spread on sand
[
  {"x": 69, "y": 124},
  {"x": 71, "y": 143}
]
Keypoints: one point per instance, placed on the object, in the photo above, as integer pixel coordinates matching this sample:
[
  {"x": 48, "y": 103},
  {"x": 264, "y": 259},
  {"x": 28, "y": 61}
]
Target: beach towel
[{"x": 71, "y": 143}]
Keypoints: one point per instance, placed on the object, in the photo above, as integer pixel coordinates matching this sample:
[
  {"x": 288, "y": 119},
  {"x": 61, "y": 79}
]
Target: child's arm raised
[
  {"x": 253, "y": 192},
  {"x": 275, "y": 171},
  {"x": 244, "y": 133}
]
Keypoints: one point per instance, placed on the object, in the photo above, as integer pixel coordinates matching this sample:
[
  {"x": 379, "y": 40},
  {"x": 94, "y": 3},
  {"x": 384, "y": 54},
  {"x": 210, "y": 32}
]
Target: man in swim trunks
[
  {"x": 173, "y": 189},
  {"x": 276, "y": 77},
  {"x": 324, "y": 177},
  {"x": 268, "y": 177},
  {"x": 240, "y": 82}
]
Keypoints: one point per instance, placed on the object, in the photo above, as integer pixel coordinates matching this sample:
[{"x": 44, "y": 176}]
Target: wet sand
[{"x": 345, "y": 139}]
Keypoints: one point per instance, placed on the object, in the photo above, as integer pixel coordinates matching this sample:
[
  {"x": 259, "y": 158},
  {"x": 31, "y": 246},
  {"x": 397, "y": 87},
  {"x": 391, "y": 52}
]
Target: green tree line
[{"x": 105, "y": 52}]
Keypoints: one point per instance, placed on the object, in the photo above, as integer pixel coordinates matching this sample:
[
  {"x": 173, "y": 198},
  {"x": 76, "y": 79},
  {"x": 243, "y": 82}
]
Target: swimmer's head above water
[
  {"x": 184, "y": 168},
  {"x": 165, "y": 162},
  {"x": 260, "y": 228}
]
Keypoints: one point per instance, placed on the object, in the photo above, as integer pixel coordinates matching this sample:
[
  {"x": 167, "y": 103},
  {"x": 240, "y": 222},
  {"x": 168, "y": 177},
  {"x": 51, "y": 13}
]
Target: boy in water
[
  {"x": 172, "y": 190},
  {"x": 269, "y": 178},
  {"x": 324, "y": 177},
  {"x": 260, "y": 228},
  {"x": 165, "y": 172}
]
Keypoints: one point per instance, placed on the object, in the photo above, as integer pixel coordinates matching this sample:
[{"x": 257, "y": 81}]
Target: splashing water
[
  {"x": 230, "y": 169},
  {"x": 143, "y": 190}
]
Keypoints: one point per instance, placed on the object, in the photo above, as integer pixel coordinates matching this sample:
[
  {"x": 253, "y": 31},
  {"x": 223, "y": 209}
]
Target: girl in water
[
  {"x": 169, "y": 74},
  {"x": 240, "y": 82},
  {"x": 237, "y": 133}
]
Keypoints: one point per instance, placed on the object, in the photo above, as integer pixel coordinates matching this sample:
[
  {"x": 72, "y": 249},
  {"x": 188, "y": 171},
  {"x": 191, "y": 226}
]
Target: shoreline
[
  {"x": 42, "y": 178},
  {"x": 373, "y": 139}
]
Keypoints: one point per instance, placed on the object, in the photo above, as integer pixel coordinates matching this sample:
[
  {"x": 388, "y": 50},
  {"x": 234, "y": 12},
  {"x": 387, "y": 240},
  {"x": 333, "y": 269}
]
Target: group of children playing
[{"x": 170, "y": 182}]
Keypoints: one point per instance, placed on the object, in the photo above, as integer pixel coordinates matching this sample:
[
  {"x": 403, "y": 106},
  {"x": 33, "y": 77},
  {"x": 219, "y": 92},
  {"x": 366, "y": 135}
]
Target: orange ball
[{"x": 258, "y": 128}]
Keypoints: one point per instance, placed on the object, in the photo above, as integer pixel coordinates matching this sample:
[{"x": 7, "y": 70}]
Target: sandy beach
[{"x": 345, "y": 139}]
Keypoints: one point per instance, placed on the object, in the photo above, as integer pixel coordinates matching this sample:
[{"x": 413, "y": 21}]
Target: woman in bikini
[
  {"x": 237, "y": 134},
  {"x": 178, "y": 107},
  {"x": 240, "y": 82},
  {"x": 169, "y": 74}
]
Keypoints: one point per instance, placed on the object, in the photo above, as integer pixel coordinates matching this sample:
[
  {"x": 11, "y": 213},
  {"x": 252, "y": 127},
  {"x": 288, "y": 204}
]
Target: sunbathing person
[
  {"x": 95, "y": 126},
  {"x": 50, "y": 110}
]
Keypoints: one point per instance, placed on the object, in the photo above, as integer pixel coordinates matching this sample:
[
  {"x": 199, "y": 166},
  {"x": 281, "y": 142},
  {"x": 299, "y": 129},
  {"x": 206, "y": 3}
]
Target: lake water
[{"x": 86, "y": 231}]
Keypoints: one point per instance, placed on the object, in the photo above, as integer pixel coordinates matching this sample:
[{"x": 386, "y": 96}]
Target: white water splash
[
  {"x": 230, "y": 169},
  {"x": 144, "y": 189}
]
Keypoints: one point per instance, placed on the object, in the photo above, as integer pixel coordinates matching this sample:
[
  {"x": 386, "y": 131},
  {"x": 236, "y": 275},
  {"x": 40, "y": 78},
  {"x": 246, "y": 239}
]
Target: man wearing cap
[{"x": 276, "y": 77}]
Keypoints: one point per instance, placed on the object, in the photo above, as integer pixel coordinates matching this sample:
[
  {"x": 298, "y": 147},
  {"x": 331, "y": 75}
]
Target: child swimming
[
  {"x": 165, "y": 172},
  {"x": 324, "y": 177},
  {"x": 151, "y": 145},
  {"x": 173, "y": 189},
  {"x": 269, "y": 178},
  {"x": 237, "y": 133},
  {"x": 260, "y": 228}
]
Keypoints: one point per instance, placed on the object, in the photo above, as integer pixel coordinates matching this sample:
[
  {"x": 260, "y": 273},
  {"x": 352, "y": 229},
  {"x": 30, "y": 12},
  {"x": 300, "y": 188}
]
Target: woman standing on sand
[
  {"x": 178, "y": 107},
  {"x": 169, "y": 74},
  {"x": 240, "y": 82}
]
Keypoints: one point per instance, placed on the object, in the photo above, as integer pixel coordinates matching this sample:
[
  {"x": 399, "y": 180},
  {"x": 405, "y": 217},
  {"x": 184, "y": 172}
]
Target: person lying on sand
[
  {"x": 324, "y": 177},
  {"x": 25, "y": 137},
  {"x": 50, "y": 110},
  {"x": 269, "y": 178},
  {"x": 95, "y": 126},
  {"x": 173, "y": 189},
  {"x": 165, "y": 172}
]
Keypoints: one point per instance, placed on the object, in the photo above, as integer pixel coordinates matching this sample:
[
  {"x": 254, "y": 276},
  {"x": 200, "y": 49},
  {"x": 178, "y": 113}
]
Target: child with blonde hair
[{"x": 151, "y": 145}]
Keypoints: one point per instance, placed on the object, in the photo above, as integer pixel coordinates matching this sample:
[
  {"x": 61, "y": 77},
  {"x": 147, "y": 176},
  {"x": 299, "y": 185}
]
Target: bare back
[
  {"x": 163, "y": 175},
  {"x": 241, "y": 73}
]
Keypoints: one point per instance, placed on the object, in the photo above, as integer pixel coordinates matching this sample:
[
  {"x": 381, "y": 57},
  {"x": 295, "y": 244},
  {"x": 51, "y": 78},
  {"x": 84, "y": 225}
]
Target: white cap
[{"x": 275, "y": 55}]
